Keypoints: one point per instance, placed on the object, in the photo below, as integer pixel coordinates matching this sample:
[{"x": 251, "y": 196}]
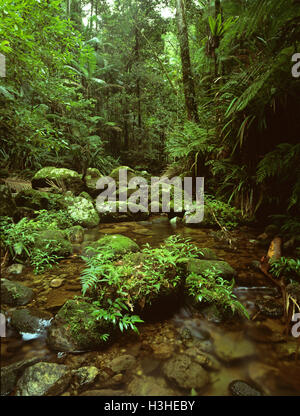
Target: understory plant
[
  {"x": 119, "y": 286},
  {"x": 18, "y": 239},
  {"x": 212, "y": 288}
]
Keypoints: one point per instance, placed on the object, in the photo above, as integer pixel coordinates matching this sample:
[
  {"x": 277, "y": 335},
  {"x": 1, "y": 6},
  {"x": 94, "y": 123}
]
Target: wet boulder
[
  {"x": 14, "y": 293},
  {"x": 44, "y": 379},
  {"x": 30, "y": 321},
  {"x": 61, "y": 177},
  {"x": 75, "y": 328},
  {"x": 241, "y": 388}
]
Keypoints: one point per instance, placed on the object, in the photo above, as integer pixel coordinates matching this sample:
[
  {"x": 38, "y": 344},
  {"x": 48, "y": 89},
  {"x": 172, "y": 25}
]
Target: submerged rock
[
  {"x": 44, "y": 379},
  {"x": 14, "y": 293},
  {"x": 62, "y": 177},
  {"x": 233, "y": 346},
  {"x": 187, "y": 374},
  {"x": 241, "y": 388},
  {"x": 75, "y": 329},
  {"x": 122, "y": 363},
  {"x": 149, "y": 386}
]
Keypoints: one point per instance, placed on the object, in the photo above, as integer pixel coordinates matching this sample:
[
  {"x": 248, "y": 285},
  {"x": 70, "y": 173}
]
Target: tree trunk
[
  {"x": 187, "y": 75},
  {"x": 138, "y": 87}
]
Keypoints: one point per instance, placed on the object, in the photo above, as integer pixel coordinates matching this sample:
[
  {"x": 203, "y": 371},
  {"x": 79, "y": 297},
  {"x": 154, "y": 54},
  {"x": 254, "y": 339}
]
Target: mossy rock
[
  {"x": 44, "y": 379},
  {"x": 93, "y": 173},
  {"x": 218, "y": 268},
  {"x": 14, "y": 293},
  {"x": 117, "y": 243},
  {"x": 75, "y": 234},
  {"x": 82, "y": 211},
  {"x": 75, "y": 329},
  {"x": 115, "y": 173},
  {"x": 70, "y": 179},
  {"x": 7, "y": 203},
  {"x": 37, "y": 200},
  {"x": 110, "y": 212},
  {"x": 53, "y": 241}
]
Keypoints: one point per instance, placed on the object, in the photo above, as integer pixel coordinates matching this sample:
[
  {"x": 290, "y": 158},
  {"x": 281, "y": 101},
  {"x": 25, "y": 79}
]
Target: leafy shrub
[{"x": 19, "y": 238}]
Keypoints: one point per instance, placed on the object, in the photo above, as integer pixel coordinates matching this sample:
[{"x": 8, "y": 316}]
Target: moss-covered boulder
[
  {"x": 53, "y": 241},
  {"x": 116, "y": 243},
  {"x": 14, "y": 293},
  {"x": 37, "y": 200},
  {"x": 216, "y": 267},
  {"x": 91, "y": 179},
  {"x": 115, "y": 173},
  {"x": 44, "y": 379},
  {"x": 113, "y": 212},
  {"x": 11, "y": 373},
  {"x": 82, "y": 211},
  {"x": 67, "y": 178},
  {"x": 74, "y": 328},
  {"x": 7, "y": 203}
]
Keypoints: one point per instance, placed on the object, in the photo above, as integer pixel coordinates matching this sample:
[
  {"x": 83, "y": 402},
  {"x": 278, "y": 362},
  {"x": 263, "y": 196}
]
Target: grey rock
[
  {"x": 14, "y": 293},
  {"x": 44, "y": 379}
]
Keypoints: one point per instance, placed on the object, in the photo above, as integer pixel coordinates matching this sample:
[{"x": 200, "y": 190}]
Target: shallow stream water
[{"x": 271, "y": 364}]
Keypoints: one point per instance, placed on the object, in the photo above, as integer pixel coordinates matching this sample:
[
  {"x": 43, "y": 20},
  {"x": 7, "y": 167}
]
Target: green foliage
[
  {"x": 228, "y": 216},
  {"x": 287, "y": 267},
  {"x": 212, "y": 289},
  {"x": 19, "y": 238},
  {"x": 116, "y": 287}
]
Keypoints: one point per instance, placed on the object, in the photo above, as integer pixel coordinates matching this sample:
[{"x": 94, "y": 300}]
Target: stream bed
[{"x": 254, "y": 351}]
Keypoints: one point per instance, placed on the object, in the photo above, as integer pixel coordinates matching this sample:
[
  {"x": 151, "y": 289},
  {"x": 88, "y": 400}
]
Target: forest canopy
[{"x": 201, "y": 88}]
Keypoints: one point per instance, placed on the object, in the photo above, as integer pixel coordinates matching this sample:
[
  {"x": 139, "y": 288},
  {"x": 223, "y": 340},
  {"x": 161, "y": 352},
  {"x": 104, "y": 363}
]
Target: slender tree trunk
[
  {"x": 138, "y": 87},
  {"x": 187, "y": 75}
]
